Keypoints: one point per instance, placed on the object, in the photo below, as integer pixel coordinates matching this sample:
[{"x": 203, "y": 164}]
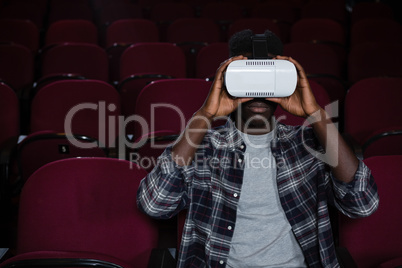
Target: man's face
[{"x": 255, "y": 114}]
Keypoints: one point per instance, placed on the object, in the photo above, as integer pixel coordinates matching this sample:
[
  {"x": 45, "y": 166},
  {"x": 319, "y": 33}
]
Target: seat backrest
[
  {"x": 191, "y": 34},
  {"x": 209, "y": 58},
  {"x": 70, "y": 10},
  {"x": 334, "y": 10},
  {"x": 23, "y": 32},
  {"x": 223, "y": 11},
  {"x": 111, "y": 11},
  {"x": 365, "y": 10},
  {"x": 153, "y": 58},
  {"x": 131, "y": 31},
  {"x": 387, "y": 30},
  {"x": 34, "y": 12},
  {"x": 85, "y": 107},
  {"x": 376, "y": 239},
  {"x": 9, "y": 113},
  {"x": 43, "y": 147},
  {"x": 84, "y": 59},
  {"x": 16, "y": 66},
  {"x": 86, "y": 205},
  {"x": 76, "y": 31},
  {"x": 122, "y": 33},
  {"x": 372, "y": 104},
  {"x": 193, "y": 30},
  {"x": 278, "y": 10},
  {"x": 322, "y": 98},
  {"x": 315, "y": 58},
  {"x": 323, "y": 65},
  {"x": 169, "y": 104},
  {"x": 284, "y": 13},
  {"x": 362, "y": 65},
  {"x": 167, "y": 12},
  {"x": 318, "y": 30},
  {"x": 384, "y": 142}
]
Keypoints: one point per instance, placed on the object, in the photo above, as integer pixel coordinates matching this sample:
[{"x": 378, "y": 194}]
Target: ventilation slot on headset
[
  {"x": 260, "y": 63},
  {"x": 259, "y": 94}
]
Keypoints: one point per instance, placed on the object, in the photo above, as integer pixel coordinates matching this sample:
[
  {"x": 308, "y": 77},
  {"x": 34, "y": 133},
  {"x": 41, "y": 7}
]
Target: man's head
[
  {"x": 241, "y": 43},
  {"x": 255, "y": 114}
]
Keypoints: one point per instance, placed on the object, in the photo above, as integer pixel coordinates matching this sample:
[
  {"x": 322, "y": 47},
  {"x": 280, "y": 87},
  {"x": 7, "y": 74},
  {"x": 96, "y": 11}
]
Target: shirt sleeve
[
  {"x": 359, "y": 198},
  {"x": 164, "y": 191}
]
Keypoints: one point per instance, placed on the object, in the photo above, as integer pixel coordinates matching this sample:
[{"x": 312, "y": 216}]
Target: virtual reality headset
[{"x": 260, "y": 77}]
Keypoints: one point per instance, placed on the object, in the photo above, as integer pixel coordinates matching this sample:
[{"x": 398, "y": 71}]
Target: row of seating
[
  {"x": 199, "y": 31},
  {"x": 87, "y": 218},
  {"x": 167, "y": 119},
  {"x": 135, "y": 66},
  {"x": 305, "y": 29},
  {"x": 119, "y": 125},
  {"x": 103, "y": 12}
]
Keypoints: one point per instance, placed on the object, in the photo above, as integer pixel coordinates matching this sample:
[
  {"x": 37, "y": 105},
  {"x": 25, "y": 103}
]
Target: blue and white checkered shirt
[{"x": 211, "y": 186}]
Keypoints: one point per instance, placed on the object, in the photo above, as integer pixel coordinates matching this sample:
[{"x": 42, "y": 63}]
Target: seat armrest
[
  {"x": 344, "y": 258},
  {"x": 7, "y": 153},
  {"x": 161, "y": 258}
]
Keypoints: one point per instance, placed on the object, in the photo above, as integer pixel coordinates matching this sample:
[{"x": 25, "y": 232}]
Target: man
[{"x": 257, "y": 191}]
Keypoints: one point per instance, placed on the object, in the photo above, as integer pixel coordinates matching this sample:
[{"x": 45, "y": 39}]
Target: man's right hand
[{"x": 219, "y": 102}]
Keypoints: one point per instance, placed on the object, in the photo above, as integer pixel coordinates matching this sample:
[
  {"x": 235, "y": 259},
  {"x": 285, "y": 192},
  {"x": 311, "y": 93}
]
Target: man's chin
[{"x": 257, "y": 122}]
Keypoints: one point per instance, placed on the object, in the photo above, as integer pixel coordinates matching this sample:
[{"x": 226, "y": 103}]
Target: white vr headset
[{"x": 260, "y": 77}]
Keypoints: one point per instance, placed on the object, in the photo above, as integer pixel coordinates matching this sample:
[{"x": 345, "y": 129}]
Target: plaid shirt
[{"x": 210, "y": 189}]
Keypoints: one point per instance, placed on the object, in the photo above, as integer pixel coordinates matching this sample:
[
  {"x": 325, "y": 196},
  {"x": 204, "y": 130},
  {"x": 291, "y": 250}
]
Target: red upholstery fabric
[
  {"x": 86, "y": 205},
  {"x": 361, "y": 64},
  {"x": 178, "y": 100},
  {"x": 386, "y": 141},
  {"x": 43, "y": 147},
  {"x": 130, "y": 31},
  {"x": 318, "y": 29},
  {"x": 193, "y": 30},
  {"x": 322, "y": 98},
  {"x": 388, "y": 30},
  {"x": 209, "y": 59},
  {"x": 141, "y": 58},
  {"x": 365, "y": 10},
  {"x": 84, "y": 59},
  {"x": 95, "y": 103},
  {"x": 372, "y": 104},
  {"x": 16, "y": 66},
  {"x": 138, "y": 68},
  {"x": 376, "y": 239},
  {"x": 397, "y": 262},
  {"x": 110, "y": 11},
  {"x": 9, "y": 113},
  {"x": 77, "y": 31},
  {"x": 191, "y": 34},
  {"x": 23, "y": 32}
]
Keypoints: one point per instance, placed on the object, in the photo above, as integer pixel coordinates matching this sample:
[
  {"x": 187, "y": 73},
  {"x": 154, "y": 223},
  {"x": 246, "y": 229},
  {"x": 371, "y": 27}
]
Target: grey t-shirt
[{"x": 262, "y": 236}]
